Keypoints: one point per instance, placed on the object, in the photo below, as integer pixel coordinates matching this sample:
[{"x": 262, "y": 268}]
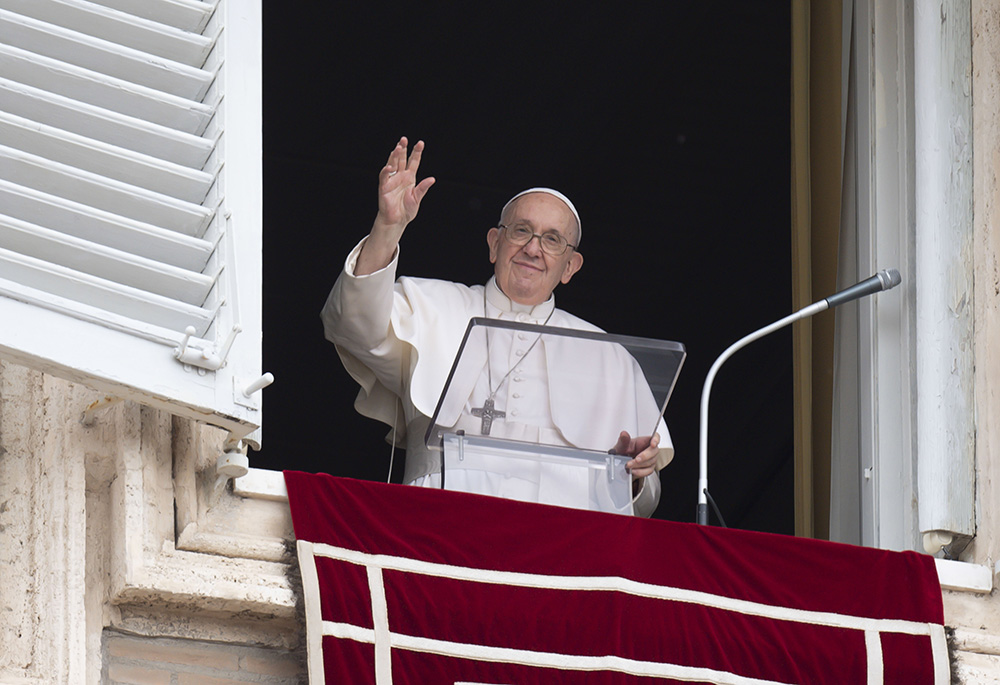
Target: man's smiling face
[{"x": 525, "y": 273}]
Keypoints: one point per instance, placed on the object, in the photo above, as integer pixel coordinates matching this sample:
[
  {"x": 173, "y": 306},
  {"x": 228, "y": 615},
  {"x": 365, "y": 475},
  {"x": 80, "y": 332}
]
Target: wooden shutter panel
[{"x": 126, "y": 231}]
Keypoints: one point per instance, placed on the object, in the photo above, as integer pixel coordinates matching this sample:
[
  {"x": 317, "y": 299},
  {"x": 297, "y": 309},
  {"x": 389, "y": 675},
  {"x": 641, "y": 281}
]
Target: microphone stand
[{"x": 883, "y": 280}]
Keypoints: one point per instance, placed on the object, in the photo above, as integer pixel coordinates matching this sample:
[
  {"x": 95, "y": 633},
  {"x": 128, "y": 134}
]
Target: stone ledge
[
  {"x": 977, "y": 642},
  {"x": 960, "y": 576},
  {"x": 262, "y": 484},
  {"x": 239, "y": 547},
  {"x": 206, "y": 583}
]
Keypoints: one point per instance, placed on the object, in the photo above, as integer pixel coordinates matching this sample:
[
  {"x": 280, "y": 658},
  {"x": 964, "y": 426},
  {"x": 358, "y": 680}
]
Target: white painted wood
[
  {"x": 862, "y": 261},
  {"x": 874, "y": 461},
  {"x": 890, "y": 243},
  {"x": 946, "y": 431},
  {"x": 99, "y": 318},
  {"x": 104, "y": 57},
  {"x": 104, "y": 125},
  {"x": 87, "y": 154},
  {"x": 108, "y": 360},
  {"x": 117, "y": 27},
  {"x": 144, "y": 274},
  {"x": 190, "y": 15},
  {"x": 240, "y": 183},
  {"x": 104, "y": 193},
  {"x": 112, "y": 230},
  {"x": 104, "y": 91},
  {"x": 118, "y": 230},
  {"x": 34, "y": 280}
]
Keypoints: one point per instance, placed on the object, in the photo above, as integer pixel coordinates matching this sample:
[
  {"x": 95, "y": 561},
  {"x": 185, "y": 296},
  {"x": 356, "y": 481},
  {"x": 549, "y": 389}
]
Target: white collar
[{"x": 498, "y": 299}]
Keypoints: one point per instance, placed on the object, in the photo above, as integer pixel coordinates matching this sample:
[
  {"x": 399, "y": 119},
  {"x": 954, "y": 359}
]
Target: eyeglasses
[{"x": 552, "y": 243}]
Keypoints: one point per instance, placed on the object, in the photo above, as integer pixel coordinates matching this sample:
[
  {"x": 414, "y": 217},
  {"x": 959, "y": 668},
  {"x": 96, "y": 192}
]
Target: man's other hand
[{"x": 643, "y": 451}]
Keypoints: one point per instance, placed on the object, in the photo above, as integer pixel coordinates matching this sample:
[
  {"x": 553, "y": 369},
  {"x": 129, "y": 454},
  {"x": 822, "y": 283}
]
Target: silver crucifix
[{"x": 489, "y": 412}]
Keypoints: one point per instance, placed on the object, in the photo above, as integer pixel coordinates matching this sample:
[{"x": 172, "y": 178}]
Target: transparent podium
[{"x": 534, "y": 412}]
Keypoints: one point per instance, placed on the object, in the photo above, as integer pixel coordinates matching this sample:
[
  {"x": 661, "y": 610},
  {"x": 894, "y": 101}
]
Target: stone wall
[
  {"x": 121, "y": 523},
  {"x": 133, "y": 660}
]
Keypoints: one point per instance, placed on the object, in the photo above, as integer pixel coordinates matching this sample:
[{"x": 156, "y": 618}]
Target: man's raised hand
[
  {"x": 399, "y": 194},
  {"x": 399, "y": 197}
]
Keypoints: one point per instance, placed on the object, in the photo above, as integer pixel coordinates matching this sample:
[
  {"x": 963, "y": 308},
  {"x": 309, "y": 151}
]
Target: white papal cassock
[{"x": 398, "y": 340}]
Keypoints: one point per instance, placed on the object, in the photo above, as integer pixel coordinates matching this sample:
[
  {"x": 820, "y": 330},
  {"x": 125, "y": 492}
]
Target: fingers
[
  {"x": 399, "y": 193},
  {"x": 623, "y": 444},
  {"x": 644, "y": 462},
  {"x": 414, "y": 163},
  {"x": 422, "y": 188},
  {"x": 397, "y": 156},
  {"x": 398, "y": 163}
]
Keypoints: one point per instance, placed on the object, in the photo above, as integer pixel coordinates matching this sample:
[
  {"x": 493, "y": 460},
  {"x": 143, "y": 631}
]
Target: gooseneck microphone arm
[{"x": 883, "y": 280}]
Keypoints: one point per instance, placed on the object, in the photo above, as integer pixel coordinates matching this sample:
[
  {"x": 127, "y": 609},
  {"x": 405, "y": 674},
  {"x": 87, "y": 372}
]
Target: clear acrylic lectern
[{"x": 533, "y": 412}]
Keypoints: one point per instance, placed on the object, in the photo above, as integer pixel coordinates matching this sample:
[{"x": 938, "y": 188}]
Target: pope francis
[{"x": 398, "y": 338}]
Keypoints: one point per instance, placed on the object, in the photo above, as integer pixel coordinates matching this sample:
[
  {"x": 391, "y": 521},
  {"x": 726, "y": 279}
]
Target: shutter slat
[
  {"x": 104, "y": 57},
  {"x": 21, "y": 272},
  {"x": 118, "y": 28},
  {"x": 105, "y": 160},
  {"x": 189, "y": 15},
  {"x": 103, "y": 193},
  {"x": 104, "y": 125},
  {"x": 97, "y": 260},
  {"x": 95, "y": 225},
  {"x": 101, "y": 90}
]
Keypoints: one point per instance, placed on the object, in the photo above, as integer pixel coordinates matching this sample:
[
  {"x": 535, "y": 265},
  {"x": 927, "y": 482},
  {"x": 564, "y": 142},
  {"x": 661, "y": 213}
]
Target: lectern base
[{"x": 563, "y": 476}]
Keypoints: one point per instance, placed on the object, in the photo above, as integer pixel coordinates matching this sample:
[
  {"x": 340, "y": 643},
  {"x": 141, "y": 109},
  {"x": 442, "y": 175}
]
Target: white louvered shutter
[{"x": 130, "y": 198}]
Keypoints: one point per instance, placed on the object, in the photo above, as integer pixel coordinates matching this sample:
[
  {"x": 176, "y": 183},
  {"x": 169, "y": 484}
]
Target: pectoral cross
[{"x": 489, "y": 412}]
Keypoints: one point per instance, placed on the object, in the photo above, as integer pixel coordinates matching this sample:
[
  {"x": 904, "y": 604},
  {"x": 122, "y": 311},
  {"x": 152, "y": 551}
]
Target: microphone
[
  {"x": 883, "y": 280},
  {"x": 886, "y": 279}
]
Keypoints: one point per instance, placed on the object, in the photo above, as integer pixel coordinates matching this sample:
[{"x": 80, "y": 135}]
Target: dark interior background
[{"x": 667, "y": 123}]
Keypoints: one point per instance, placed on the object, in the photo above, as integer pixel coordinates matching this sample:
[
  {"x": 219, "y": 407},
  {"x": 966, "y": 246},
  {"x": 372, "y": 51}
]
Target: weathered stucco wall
[{"x": 976, "y": 617}]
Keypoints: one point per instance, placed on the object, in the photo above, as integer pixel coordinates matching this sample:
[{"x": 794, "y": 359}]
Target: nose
[{"x": 532, "y": 248}]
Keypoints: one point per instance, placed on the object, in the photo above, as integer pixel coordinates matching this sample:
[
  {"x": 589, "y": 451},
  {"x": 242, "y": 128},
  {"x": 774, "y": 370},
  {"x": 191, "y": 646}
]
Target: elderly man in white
[{"x": 398, "y": 338}]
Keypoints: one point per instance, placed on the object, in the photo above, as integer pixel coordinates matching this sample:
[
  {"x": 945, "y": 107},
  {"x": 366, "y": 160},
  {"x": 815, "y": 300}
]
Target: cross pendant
[{"x": 489, "y": 412}]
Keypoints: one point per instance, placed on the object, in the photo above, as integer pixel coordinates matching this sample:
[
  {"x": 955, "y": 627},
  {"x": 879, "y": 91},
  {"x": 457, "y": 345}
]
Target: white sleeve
[
  {"x": 649, "y": 496},
  {"x": 356, "y": 319}
]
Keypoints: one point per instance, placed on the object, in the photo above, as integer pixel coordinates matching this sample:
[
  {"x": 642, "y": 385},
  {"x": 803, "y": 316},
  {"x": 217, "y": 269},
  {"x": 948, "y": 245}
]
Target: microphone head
[{"x": 889, "y": 278}]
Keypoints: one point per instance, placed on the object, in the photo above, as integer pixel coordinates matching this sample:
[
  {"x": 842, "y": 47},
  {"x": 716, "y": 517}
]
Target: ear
[
  {"x": 493, "y": 239},
  {"x": 574, "y": 264}
]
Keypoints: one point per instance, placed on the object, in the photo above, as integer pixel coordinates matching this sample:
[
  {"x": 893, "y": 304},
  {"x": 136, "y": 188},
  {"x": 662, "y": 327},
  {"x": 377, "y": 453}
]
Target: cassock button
[
  {"x": 518, "y": 379},
  {"x": 522, "y": 317},
  {"x": 517, "y": 395},
  {"x": 520, "y": 353},
  {"x": 513, "y": 412}
]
